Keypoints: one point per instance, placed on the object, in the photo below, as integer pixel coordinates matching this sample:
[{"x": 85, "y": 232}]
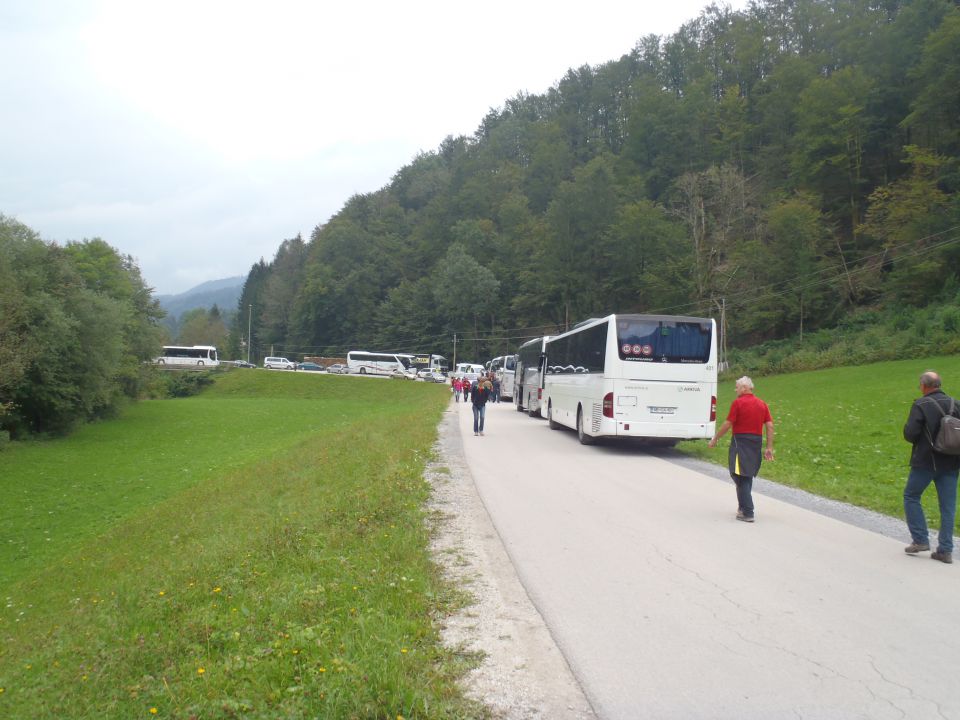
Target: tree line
[
  {"x": 77, "y": 322},
  {"x": 784, "y": 166}
]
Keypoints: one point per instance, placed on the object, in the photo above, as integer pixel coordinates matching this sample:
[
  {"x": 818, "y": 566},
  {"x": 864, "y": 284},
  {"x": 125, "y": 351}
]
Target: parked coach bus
[
  {"x": 196, "y": 356},
  {"x": 361, "y": 362},
  {"x": 640, "y": 376},
  {"x": 528, "y": 376},
  {"x": 503, "y": 367}
]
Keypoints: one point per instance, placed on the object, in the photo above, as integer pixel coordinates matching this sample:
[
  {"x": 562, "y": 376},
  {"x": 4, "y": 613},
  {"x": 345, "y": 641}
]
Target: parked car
[
  {"x": 338, "y": 369},
  {"x": 310, "y": 367},
  {"x": 278, "y": 363},
  {"x": 242, "y": 364}
]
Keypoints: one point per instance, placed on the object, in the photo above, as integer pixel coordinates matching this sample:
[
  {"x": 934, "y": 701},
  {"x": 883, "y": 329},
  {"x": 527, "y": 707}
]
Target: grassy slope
[
  {"x": 258, "y": 551},
  {"x": 839, "y": 431}
]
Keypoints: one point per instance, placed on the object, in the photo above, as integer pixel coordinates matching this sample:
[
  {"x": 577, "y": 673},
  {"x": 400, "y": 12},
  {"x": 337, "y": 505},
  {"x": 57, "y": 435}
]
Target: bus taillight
[
  {"x": 713, "y": 408},
  {"x": 608, "y": 405}
]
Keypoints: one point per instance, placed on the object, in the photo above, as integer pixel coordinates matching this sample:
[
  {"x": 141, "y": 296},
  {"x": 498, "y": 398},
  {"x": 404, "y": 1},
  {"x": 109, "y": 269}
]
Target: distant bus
[
  {"x": 639, "y": 376},
  {"x": 361, "y": 362},
  {"x": 528, "y": 376},
  {"x": 503, "y": 367},
  {"x": 195, "y": 355}
]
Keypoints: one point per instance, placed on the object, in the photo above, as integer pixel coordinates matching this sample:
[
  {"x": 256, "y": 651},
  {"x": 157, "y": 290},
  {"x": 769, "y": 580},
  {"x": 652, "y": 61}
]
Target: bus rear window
[{"x": 651, "y": 340}]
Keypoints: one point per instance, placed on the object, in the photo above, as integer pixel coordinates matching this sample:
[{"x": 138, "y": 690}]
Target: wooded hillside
[{"x": 790, "y": 163}]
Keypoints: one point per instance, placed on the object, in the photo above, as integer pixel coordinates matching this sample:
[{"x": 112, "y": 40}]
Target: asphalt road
[{"x": 665, "y": 606}]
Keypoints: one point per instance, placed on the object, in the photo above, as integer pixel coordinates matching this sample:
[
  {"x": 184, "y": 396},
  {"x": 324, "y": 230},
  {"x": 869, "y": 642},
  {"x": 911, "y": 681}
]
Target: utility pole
[
  {"x": 249, "y": 317},
  {"x": 454, "y": 351}
]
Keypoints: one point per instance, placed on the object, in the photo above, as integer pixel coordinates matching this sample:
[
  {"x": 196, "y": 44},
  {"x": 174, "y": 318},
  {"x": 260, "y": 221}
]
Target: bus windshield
[{"x": 651, "y": 339}]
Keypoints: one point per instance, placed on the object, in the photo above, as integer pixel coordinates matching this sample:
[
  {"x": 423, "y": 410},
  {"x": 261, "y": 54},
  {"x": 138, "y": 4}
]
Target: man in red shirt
[{"x": 748, "y": 416}]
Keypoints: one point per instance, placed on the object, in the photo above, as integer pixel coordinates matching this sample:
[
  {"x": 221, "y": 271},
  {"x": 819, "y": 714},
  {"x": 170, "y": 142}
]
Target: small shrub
[
  {"x": 950, "y": 319},
  {"x": 184, "y": 383}
]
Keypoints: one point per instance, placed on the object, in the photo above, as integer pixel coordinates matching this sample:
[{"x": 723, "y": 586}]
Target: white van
[
  {"x": 470, "y": 371},
  {"x": 278, "y": 363}
]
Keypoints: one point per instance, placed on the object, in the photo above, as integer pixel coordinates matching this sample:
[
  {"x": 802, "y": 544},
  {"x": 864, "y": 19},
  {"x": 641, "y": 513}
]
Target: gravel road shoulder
[{"x": 523, "y": 674}]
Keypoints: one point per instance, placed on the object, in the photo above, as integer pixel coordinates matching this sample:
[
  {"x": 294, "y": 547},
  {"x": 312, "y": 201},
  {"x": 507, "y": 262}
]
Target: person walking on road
[
  {"x": 479, "y": 394},
  {"x": 927, "y": 465},
  {"x": 748, "y": 417}
]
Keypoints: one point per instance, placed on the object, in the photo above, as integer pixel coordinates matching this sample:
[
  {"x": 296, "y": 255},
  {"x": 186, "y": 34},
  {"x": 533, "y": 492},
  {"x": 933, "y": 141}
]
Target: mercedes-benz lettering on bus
[
  {"x": 195, "y": 355},
  {"x": 503, "y": 367},
  {"x": 528, "y": 376},
  {"x": 641, "y": 376},
  {"x": 361, "y": 362}
]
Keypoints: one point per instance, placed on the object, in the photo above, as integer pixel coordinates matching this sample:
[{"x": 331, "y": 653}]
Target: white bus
[
  {"x": 361, "y": 362},
  {"x": 528, "y": 376},
  {"x": 639, "y": 376},
  {"x": 195, "y": 356},
  {"x": 503, "y": 368}
]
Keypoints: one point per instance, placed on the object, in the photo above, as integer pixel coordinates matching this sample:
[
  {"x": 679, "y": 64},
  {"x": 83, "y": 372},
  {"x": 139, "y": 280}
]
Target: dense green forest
[{"x": 782, "y": 168}]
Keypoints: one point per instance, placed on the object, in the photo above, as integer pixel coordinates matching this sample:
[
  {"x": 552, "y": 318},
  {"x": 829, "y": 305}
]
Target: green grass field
[
  {"x": 258, "y": 551},
  {"x": 839, "y": 432}
]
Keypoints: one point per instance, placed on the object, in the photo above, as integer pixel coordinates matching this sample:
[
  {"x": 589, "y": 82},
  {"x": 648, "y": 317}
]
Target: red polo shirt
[{"x": 748, "y": 413}]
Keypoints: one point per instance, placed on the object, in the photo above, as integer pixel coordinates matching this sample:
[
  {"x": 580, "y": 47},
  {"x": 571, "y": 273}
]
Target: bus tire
[
  {"x": 554, "y": 425},
  {"x": 199, "y": 363},
  {"x": 363, "y": 371},
  {"x": 581, "y": 435}
]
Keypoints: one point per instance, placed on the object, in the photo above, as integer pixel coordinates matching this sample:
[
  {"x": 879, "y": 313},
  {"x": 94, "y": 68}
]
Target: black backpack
[{"x": 947, "y": 440}]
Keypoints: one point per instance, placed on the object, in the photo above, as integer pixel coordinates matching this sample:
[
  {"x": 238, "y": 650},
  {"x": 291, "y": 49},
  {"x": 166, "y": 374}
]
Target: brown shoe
[
  {"x": 942, "y": 557},
  {"x": 914, "y": 548}
]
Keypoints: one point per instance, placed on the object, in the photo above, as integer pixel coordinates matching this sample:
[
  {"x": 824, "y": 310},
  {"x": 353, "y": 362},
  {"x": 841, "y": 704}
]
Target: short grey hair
[
  {"x": 745, "y": 382},
  {"x": 930, "y": 379}
]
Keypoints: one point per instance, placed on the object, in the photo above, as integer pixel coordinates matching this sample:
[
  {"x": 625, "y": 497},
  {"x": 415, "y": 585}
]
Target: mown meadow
[
  {"x": 257, "y": 551},
  {"x": 839, "y": 432}
]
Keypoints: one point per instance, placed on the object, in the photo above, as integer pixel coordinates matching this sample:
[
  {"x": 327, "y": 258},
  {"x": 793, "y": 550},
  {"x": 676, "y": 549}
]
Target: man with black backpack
[{"x": 935, "y": 458}]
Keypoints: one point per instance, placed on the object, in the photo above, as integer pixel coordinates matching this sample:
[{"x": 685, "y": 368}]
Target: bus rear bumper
[{"x": 659, "y": 430}]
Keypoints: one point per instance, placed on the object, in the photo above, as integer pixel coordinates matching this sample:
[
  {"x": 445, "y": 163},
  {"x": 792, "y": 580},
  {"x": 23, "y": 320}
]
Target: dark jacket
[
  {"x": 480, "y": 392},
  {"x": 922, "y": 426}
]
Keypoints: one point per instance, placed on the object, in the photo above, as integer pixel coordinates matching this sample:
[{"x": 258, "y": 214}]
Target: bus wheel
[
  {"x": 554, "y": 425},
  {"x": 584, "y": 438},
  {"x": 200, "y": 363},
  {"x": 363, "y": 371}
]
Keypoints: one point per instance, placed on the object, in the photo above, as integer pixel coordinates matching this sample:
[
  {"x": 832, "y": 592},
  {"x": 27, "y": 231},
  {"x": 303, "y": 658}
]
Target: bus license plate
[{"x": 662, "y": 410}]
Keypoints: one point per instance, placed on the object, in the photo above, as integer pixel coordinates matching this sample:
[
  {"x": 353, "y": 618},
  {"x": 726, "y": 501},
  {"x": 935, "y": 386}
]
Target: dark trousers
[{"x": 744, "y": 493}]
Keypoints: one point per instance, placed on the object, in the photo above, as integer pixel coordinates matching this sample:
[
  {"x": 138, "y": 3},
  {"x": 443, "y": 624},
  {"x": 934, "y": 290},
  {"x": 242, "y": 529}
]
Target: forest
[{"x": 783, "y": 169}]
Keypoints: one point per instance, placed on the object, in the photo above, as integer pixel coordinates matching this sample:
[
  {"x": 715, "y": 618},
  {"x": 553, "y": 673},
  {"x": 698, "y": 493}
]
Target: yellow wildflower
[
  {"x": 153, "y": 711},
  {"x": 200, "y": 671}
]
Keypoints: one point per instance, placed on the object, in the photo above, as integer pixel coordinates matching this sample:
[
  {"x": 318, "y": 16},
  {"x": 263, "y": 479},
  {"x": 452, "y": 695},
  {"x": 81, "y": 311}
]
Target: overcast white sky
[{"x": 197, "y": 135}]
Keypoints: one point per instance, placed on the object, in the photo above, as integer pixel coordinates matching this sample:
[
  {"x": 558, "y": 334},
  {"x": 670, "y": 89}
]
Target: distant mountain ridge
[{"x": 225, "y": 294}]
